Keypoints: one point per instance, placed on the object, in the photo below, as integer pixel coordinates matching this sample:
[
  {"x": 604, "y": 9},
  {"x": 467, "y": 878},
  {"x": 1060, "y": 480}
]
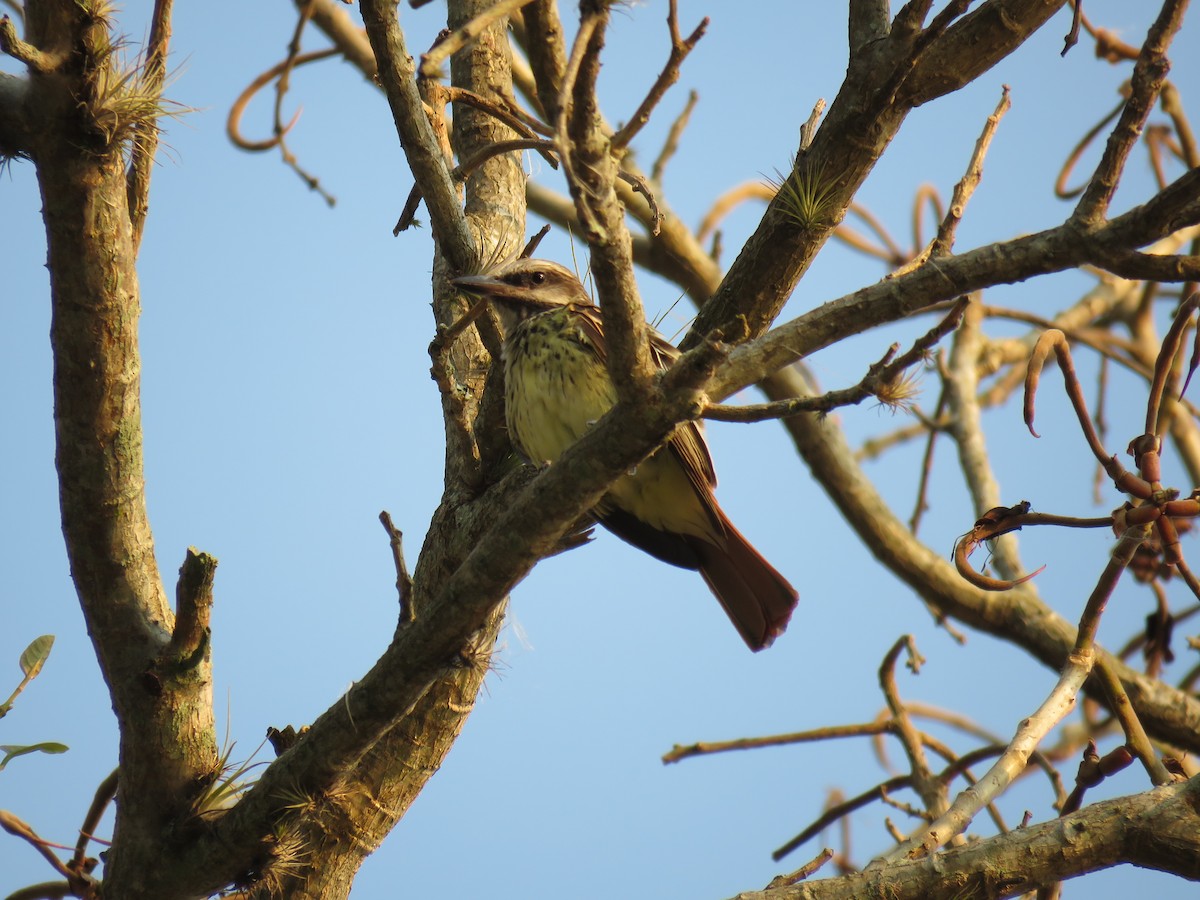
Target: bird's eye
[{"x": 537, "y": 277}]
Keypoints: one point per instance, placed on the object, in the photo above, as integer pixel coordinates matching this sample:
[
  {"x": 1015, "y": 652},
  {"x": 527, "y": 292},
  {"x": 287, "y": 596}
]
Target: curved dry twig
[
  {"x": 1055, "y": 341},
  {"x": 1060, "y": 184},
  {"x": 521, "y": 124},
  {"x": 233, "y": 122},
  {"x": 1156, "y": 423}
]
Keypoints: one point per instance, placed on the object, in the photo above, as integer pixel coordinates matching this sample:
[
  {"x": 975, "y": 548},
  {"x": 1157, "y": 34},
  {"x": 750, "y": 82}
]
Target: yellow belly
[{"x": 556, "y": 388}]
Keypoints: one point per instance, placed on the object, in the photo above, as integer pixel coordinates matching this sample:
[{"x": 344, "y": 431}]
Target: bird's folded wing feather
[{"x": 688, "y": 443}]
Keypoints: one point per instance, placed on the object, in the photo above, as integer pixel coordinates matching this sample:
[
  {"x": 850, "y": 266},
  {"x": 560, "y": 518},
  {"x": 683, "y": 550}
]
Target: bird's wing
[
  {"x": 691, "y": 448},
  {"x": 688, "y": 443},
  {"x": 591, "y": 326}
]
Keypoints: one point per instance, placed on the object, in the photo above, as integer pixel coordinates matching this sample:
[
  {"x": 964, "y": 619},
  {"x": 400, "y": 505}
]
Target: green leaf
[
  {"x": 35, "y": 655},
  {"x": 12, "y": 751}
]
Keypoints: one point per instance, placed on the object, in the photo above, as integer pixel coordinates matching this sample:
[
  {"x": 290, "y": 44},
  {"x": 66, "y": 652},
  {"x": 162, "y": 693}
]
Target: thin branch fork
[
  {"x": 879, "y": 381},
  {"x": 431, "y": 62},
  {"x": 680, "y": 49},
  {"x": 421, "y": 148},
  {"x": 1055, "y": 341},
  {"x": 1149, "y": 74},
  {"x": 1033, "y": 729},
  {"x": 462, "y": 172},
  {"x": 881, "y": 792},
  {"x": 931, "y": 790},
  {"x": 499, "y": 111},
  {"x": 79, "y": 883},
  {"x": 1011, "y": 763}
]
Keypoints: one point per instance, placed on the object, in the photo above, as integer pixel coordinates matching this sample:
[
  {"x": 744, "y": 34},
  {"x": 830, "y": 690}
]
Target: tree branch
[
  {"x": 1006, "y": 262},
  {"x": 429, "y": 166},
  {"x": 1156, "y": 830}
]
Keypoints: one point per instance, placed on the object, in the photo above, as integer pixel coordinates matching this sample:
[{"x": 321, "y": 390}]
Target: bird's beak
[{"x": 480, "y": 285}]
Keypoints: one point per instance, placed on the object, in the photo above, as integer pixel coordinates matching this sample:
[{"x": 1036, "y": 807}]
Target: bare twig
[
  {"x": 671, "y": 144},
  {"x": 12, "y": 45},
  {"x": 502, "y": 114},
  {"x": 641, "y": 187},
  {"x": 463, "y": 171},
  {"x": 193, "y": 607},
  {"x": 944, "y": 241},
  {"x": 19, "y": 828},
  {"x": 145, "y": 145},
  {"x": 931, "y": 791},
  {"x": 1010, "y": 764},
  {"x": 403, "y": 580},
  {"x": 678, "y": 753},
  {"x": 840, "y": 810},
  {"x": 532, "y": 244},
  {"x": 1093, "y": 769},
  {"x": 921, "y": 504},
  {"x": 421, "y": 148},
  {"x": 966, "y": 426},
  {"x": 105, "y": 792},
  {"x": 1135, "y": 734},
  {"x": 458, "y": 422},
  {"x": 875, "y": 383},
  {"x": 1149, "y": 73},
  {"x": 1156, "y": 423},
  {"x": 680, "y": 48},
  {"x": 808, "y": 131},
  {"x": 803, "y": 872},
  {"x": 1072, "y": 37},
  {"x": 589, "y": 25},
  {"x": 1054, "y": 340},
  {"x": 431, "y": 62}
]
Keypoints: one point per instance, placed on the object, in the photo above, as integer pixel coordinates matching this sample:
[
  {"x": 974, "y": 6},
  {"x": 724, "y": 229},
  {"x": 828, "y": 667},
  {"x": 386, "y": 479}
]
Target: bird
[{"x": 557, "y": 385}]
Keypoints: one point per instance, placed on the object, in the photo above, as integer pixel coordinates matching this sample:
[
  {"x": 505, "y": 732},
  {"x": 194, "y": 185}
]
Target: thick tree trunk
[{"x": 83, "y": 117}]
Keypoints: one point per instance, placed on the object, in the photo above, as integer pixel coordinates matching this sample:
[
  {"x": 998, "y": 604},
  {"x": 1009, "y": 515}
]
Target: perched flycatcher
[{"x": 556, "y": 386}]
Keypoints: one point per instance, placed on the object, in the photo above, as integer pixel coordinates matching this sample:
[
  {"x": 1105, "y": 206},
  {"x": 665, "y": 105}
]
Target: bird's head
[{"x": 521, "y": 288}]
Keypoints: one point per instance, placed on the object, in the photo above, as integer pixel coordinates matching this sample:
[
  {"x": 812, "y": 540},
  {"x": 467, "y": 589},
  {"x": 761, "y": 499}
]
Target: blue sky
[{"x": 286, "y": 402}]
